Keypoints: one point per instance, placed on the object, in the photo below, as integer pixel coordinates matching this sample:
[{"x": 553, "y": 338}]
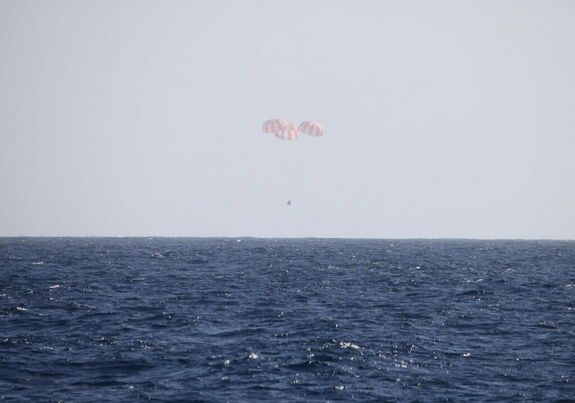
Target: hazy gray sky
[{"x": 442, "y": 118}]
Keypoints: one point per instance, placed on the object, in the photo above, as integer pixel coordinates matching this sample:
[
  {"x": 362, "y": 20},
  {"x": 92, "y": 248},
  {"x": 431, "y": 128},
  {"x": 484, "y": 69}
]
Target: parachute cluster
[{"x": 284, "y": 130}]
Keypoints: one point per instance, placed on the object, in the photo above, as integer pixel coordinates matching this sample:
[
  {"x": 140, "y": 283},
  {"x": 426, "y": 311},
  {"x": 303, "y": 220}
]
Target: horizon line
[{"x": 280, "y": 237}]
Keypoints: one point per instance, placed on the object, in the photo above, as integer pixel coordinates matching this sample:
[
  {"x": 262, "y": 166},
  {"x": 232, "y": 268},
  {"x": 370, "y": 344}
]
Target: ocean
[{"x": 222, "y": 319}]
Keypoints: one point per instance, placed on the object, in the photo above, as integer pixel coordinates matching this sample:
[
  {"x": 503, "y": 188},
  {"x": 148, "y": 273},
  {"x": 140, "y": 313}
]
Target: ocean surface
[{"x": 192, "y": 319}]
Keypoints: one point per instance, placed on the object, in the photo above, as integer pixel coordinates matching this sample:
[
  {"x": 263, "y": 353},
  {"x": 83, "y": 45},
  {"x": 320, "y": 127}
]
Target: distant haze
[{"x": 442, "y": 118}]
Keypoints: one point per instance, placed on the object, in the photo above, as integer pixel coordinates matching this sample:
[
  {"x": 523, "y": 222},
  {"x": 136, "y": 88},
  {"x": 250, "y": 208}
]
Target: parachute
[
  {"x": 311, "y": 128},
  {"x": 274, "y": 125},
  {"x": 288, "y": 131},
  {"x": 284, "y": 130}
]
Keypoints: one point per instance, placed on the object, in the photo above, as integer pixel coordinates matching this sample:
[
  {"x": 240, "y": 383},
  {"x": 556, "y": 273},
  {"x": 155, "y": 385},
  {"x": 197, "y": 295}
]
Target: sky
[{"x": 443, "y": 119}]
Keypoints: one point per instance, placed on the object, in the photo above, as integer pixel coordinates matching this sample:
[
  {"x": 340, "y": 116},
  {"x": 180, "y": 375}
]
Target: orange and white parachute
[
  {"x": 311, "y": 128},
  {"x": 274, "y": 125},
  {"x": 290, "y": 132}
]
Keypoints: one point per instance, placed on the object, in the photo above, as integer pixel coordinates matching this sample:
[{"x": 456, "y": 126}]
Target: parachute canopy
[
  {"x": 274, "y": 125},
  {"x": 311, "y": 128},
  {"x": 288, "y": 131}
]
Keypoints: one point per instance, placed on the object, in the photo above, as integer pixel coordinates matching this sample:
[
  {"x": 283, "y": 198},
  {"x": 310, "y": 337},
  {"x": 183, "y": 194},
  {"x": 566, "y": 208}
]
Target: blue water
[{"x": 298, "y": 320}]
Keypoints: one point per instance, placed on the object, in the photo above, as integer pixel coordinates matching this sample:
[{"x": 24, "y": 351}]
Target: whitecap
[
  {"x": 38, "y": 263},
  {"x": 347, "y": 344}
]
